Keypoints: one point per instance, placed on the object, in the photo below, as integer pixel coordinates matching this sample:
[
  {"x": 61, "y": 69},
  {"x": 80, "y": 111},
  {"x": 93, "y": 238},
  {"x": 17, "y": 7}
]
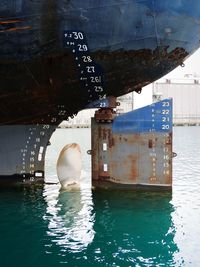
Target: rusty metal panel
[{"x": 135, "y": 148}]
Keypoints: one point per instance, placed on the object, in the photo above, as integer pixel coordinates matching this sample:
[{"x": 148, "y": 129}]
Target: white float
[{"x": 69, "y": 166}]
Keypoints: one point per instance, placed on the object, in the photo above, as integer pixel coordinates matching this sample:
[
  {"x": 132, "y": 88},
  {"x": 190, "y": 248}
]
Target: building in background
[
  {"x": 126, "y": 103},
  {"x": 186, "y": 98},
  {"x": 83, "y": 118}
]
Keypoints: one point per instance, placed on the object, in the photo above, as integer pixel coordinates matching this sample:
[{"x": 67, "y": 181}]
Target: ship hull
[
  {"x": 23, "y": 149},
  {"x": 59, "y": 57},
  {"x": 133, "y": 42}
]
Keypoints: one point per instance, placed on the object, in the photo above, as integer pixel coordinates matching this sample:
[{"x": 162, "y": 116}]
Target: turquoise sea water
[{"x": 47, "y": 227}]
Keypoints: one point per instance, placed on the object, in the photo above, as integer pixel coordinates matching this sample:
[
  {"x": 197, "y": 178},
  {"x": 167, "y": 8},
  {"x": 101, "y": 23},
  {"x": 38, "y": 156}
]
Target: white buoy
[{"x": 69, "y": 166}]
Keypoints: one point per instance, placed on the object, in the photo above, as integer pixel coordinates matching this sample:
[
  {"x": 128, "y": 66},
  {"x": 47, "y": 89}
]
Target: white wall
[{"x": 186, "y": 99}]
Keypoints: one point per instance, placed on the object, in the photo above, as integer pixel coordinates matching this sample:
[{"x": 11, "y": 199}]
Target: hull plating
[
  {"x": 134, "y": 42},
  {"x": 124, "y": 45}
]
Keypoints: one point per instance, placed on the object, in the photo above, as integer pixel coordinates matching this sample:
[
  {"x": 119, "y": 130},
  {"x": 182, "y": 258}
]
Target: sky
[{"x": 192, "y": 66}]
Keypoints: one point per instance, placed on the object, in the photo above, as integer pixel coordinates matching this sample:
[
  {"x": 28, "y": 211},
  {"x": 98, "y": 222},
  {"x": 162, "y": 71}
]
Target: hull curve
[
  {"x": 134, "y": 43},
  {"x": 58, "y": 57}
]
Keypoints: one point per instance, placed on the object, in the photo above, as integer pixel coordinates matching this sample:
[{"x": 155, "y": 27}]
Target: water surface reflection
[
  {"x": 46, "y": 227},
  {"x": 109, "y": 228},
  {"x": 70, "y": 218}
]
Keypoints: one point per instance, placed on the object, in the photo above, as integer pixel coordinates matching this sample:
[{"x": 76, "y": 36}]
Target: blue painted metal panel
[
  {"x": 104, "y": 103},
  {"x": 153, "y": 118}
]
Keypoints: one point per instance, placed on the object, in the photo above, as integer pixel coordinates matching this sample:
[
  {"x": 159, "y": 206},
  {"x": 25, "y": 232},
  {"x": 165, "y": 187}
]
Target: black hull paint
[
  {"x": 129, "y": 44},
  {"x": 133, "y": 42}
]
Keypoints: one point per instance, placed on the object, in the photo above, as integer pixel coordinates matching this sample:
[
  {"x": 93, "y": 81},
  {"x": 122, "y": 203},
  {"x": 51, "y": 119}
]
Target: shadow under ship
[{"x": 59, "y": 57}]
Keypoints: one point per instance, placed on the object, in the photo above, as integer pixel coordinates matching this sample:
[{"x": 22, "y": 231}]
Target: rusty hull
[
  {"x": 132, "y": 159},
  {"x": 30, "y": 94},
  {"x": 134, "y": 43}
]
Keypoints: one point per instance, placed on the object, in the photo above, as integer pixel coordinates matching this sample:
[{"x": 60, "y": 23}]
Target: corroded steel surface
[
  {"x": 130, "y": 43},
  {"x": 139, "y": 155},
  {"x": 59, "y": 57},
  {"x": 105, "y": 114}
]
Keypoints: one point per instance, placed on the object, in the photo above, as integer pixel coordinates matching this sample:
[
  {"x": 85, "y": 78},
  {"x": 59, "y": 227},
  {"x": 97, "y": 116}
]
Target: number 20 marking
[{"x": 165, "y": 127}]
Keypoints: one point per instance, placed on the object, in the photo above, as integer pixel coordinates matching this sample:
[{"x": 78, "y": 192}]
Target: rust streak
[
  {"x": 133, "y": 168},
  {"x": 10, "y": 21},
  {"x": 99, "y": 132},
  {"x": 150, "y": 143},
  {"x": 17, "y": 29}
]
